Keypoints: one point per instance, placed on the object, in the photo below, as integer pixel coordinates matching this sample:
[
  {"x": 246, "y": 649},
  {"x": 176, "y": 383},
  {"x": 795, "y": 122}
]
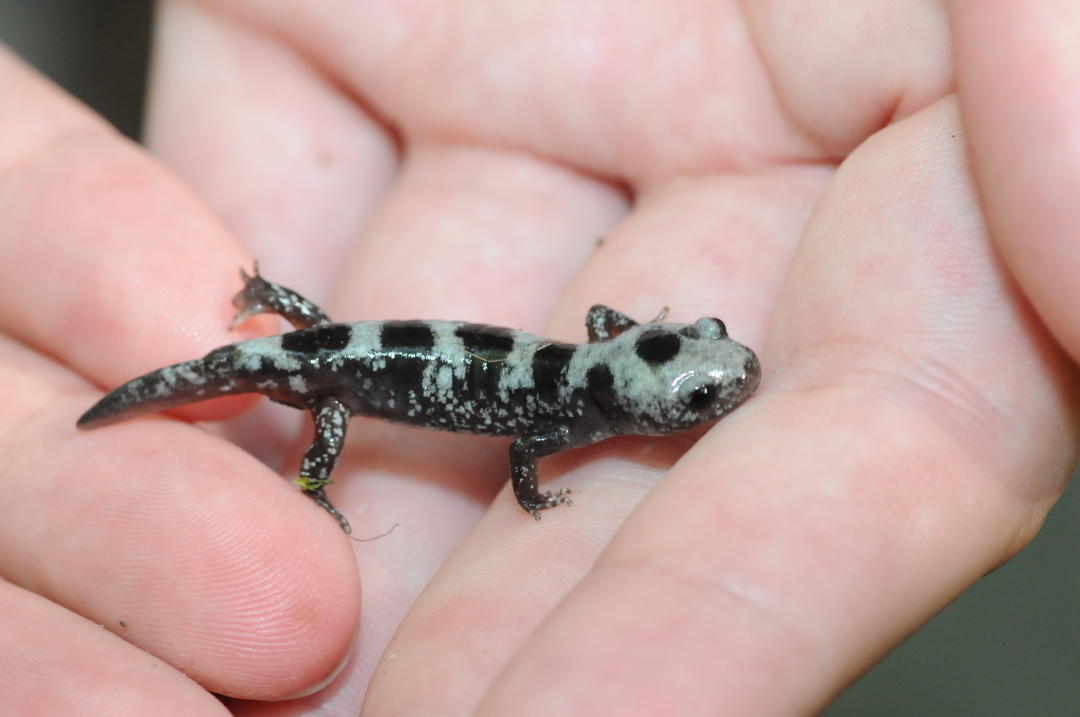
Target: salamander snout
[{"x": 751, "y": 373}]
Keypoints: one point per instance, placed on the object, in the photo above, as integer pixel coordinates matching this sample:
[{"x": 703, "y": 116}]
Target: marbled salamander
[{"x": 652, "y": 378}]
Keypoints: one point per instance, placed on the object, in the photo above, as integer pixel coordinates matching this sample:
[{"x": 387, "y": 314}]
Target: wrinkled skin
[{"x": 877, "y": 197}]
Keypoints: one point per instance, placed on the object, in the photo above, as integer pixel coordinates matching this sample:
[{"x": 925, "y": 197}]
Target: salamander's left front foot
[
  {"x": 524, "y": 453},
  {"x": 548, "y": 499}
]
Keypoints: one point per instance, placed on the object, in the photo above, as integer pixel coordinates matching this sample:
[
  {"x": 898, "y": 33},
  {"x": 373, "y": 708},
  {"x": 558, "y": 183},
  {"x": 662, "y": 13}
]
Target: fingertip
[
  {"x": 213, "y": 563},
  {"x": 304, "y": 621}
]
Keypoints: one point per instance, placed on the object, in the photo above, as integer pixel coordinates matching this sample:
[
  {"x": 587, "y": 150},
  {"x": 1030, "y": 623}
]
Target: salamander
[{"x": 630, "y": 378}]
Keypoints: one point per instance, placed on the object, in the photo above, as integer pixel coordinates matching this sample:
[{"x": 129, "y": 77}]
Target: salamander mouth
[{"x": 744, "y": 386}]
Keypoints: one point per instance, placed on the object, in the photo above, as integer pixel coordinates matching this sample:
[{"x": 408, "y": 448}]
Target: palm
[{"x": 799, "y": 538}]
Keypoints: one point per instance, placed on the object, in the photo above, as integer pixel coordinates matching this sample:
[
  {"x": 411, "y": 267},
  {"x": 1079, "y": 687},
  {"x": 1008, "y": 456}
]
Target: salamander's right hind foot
[{"x": 316, "y": 490}]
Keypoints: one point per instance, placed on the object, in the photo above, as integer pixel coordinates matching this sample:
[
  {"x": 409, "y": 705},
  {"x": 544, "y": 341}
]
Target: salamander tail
[{"x": 166, "y": 388}]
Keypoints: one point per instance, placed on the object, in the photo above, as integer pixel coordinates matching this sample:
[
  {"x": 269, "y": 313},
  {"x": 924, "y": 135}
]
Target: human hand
[
  {"x": 915, "y": 423},
  {"x": 148, "y": 531}
]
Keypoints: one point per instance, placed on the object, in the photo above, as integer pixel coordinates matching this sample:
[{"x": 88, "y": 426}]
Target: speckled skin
[{"x": 652, "y": 378}]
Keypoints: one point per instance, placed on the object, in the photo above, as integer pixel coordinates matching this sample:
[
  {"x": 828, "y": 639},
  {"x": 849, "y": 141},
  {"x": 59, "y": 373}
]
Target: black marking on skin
[
  {"x": 482, "y": 375},
  {"x": 486, "y": 349},
  {"x": 404, "y": 374},
  {"x": 601, "y": 384},
  {"x": 549, "y": 366},
  {"x": 407, "y": 347},
  {"x": 409, "y": 336},
  {"x": 333, "y": 337},
  {"x": 488, "y": 343},
  {"x": 657, "y": 347}
]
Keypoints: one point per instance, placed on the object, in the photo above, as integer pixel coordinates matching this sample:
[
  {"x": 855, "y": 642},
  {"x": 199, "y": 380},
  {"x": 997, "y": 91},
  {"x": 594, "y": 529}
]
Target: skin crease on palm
[{"x": 871, "y": 194}]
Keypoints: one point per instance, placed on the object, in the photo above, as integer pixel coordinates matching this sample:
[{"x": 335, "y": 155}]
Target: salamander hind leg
[
  {"x": 331, "y": 421},
  {"x": 524, "y": 454},
  {"x": 260, "y": 296}
]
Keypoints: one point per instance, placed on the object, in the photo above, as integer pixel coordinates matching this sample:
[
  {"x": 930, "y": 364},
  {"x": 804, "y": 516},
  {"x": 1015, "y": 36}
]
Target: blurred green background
[{"x": 1008, "y": 646}]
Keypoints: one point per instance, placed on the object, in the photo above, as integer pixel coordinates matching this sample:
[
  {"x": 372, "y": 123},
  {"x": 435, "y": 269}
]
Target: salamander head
[{"x": 663, "y": 378}]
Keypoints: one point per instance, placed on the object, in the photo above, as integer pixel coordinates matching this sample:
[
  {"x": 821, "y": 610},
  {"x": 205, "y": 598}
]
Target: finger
[
  {"x": 106, "y": 262},
  {"x": 500, "y": 233},
  {"x": 493, "y": 251},
  {"x": 151, "y": 523},
  {"x": 1017, "y": 70},
  {"x": 116, "y": 207},
  {"x": 896, "y": 455},
  {"x": 581, "y": 86},
  {"x": 725, "y": 240},
  {"x": 56, "y": 662},
  {"x": 290, "y": 160}
]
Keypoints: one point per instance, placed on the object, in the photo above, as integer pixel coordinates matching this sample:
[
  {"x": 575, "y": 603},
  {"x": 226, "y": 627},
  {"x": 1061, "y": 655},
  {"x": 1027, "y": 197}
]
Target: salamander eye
[
  {"x": 711, "y": 328},
  {"x": 701, "y": 397}
]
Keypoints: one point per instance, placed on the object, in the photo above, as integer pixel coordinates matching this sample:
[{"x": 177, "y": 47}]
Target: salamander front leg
[
  {"x": 259, "y": 296},
  {"x": 524, "y": 453},
  {"x": 331, "y": 420},
  {"x": 604, "y": 323}
]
